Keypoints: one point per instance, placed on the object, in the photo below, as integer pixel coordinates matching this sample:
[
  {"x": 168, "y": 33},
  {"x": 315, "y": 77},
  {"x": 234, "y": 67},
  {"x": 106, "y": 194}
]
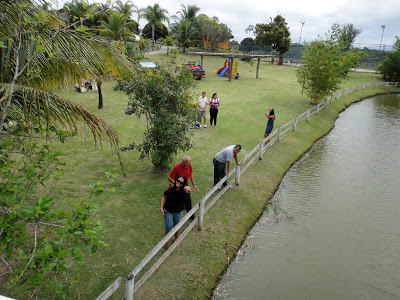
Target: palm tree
[
  {"x": 155, "y": 14},
  {"x": 116, "y": 27},
  {"x": 37, "y": 59},
  {"x": 186, "y": 33},
  {"x": 126, "y": 8},
  {"x": 188, "y": 13}
]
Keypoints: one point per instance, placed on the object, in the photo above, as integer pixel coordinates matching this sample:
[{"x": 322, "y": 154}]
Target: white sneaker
[
  {"x": 205, "y": 126},
  {"x": 201, "y": 125}
]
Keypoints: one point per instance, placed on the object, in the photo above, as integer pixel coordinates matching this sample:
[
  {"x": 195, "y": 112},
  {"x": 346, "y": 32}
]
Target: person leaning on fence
[
  {"x": 184, "y": 168},
  {"x": 222, "y": 162},
  {"x": 270, "y": 124},
  {"x": 172, "y": 205}
]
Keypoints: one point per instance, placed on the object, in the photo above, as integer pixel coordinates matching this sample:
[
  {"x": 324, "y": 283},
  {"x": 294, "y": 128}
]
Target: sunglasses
[{"x": 181, "y": 182}]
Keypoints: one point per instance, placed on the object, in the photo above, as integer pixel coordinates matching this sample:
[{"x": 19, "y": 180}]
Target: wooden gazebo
[{"x": 231, "y": 57}]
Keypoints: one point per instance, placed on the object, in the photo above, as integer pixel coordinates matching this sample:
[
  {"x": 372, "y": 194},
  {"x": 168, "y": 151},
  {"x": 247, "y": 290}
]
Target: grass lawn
[{"x": 131, "y": 216}]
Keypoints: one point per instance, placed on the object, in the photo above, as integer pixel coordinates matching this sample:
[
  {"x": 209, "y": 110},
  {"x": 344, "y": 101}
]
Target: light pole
[
  {"x": 383, "y": 30},
  {"x": 301, "y": 31}
]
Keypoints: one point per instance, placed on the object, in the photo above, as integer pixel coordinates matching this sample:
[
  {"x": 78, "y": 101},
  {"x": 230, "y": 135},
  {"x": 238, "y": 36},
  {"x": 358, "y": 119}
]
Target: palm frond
[{"x": 42, "y": 109}]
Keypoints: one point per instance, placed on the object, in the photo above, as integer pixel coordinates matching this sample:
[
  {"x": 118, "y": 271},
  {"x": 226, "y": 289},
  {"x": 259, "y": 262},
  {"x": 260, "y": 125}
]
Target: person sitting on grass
[{"x": 172, "y": 205}]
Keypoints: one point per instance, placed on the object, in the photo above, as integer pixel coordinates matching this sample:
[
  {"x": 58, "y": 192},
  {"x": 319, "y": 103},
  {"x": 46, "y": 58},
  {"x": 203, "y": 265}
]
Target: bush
[{"x": 390, "y": 67}]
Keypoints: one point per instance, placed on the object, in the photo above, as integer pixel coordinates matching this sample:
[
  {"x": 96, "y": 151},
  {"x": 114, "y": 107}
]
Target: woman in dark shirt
[
  {"x": 270, "y": 124},
  {"x": 172, "y": 205}
]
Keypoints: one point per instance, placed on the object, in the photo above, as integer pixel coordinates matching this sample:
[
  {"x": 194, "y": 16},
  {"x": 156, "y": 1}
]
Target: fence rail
[{"x": 202, "y": 206}]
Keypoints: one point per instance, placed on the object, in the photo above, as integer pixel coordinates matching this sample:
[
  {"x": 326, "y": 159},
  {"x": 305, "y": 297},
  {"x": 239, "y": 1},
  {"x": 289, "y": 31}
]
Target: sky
[{"x": 317, "y": 15}]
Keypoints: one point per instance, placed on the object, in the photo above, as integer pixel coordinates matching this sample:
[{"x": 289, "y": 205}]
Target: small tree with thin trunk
[
  {"x": 324, "y": 68},
  {"x": 163, "y": 96}
]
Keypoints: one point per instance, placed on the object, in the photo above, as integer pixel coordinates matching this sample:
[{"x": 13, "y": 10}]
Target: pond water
[{"x": 333, "y": 228}]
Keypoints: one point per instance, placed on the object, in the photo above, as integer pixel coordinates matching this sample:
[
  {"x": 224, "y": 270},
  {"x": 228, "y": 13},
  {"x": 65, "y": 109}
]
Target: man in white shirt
[
  {"x": 222, "y": 162},
  {"x": 201, "y": 104}
]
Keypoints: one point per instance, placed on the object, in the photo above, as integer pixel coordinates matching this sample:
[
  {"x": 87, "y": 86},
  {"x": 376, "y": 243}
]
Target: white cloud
[{"x": 318, "y": 15}]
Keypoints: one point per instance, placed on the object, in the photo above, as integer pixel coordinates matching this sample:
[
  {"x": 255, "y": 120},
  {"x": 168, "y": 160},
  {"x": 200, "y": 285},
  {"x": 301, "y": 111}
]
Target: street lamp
[
  {"x": 383, "y": 30},
  {"x": 302, "y": 24}
]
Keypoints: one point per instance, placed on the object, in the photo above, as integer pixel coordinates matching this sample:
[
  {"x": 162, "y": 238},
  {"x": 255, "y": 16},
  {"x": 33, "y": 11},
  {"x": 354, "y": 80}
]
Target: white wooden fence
[{"x": 209, "y": 199}]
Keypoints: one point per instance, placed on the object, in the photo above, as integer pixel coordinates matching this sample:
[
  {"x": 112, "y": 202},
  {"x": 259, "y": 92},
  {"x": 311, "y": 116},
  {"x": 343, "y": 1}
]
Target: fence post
[
  {"x": 295, "y": 123},
  {"x": 308, "y": 115},
  {"x": 318, "y": 108},
  {"x": 387, "y": 83},
  {"x": 396, "y": 83},
  {"x": 279, "y": 133},
  {"x": 237, "y": 177},
  {"x": 129, "y": 286},
  {"x": 261, "y": 151},
  {"x": 201, "y": 215}
]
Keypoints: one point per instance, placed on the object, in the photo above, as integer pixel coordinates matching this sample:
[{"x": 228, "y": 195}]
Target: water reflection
[{"x": 332, "y": 230}]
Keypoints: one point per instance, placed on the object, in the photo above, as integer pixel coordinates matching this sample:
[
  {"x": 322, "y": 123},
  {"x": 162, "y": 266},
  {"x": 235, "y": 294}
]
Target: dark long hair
[
  {"x": 184, "y": 180},
  {"x": 272, "y": 113}
]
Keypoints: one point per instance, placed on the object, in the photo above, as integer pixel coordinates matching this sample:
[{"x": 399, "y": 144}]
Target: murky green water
[{"x": 333, "y": 230}]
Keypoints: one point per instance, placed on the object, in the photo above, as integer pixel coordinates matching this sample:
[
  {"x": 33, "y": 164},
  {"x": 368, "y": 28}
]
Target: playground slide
[
  {"x": 219, "y": 71},
  {"x": 226, "y": 69}
]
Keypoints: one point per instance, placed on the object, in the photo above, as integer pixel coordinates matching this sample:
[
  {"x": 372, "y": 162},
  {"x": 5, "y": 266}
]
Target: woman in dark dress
[
  {"x": 270, "y": 124},
  {"x": 172, "y": 205}
]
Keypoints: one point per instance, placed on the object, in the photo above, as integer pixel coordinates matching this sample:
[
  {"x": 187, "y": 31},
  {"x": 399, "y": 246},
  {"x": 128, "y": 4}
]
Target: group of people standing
[
  {"x": 177, "y": 195},
  {"x": 202, "y": 103}
]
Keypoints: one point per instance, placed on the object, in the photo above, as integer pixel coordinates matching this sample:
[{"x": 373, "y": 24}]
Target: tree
[
  {"x": 169, "y": 41},
  {"x": 324, "y": 67},
  {"x": 185, "y": 33},
  {"x": 188, "y": 13},
  {"x": 344, "y": 35},
  {"x": 116, "y": 27},
  {"x": 160, "y": 31},
  {"x": 390, "y": 67},
  {"x": 39, "y": 241},
  {"x": 247, "y": 42},
  {"x": 127, "y": 9},
  {"x": 39, "y": 54},
  {"x": 163, "y": 97},
  {"x": 275, "y": 34},
  {"x": 212, "y": 32},
  {"x": 396, "y": 44},
  {"x": 155, "y": 14}
]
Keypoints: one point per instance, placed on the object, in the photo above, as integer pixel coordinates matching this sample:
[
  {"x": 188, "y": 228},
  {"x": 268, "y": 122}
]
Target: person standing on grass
[
  {"x": 201, "y": 104},
  {"x": 214, "y": 103},
  {"x": 172, "y": 205},
  {"x": 184, "y": 168},
  {"x": 270, "y": 124},
  {"x": 222, "y": 162}
]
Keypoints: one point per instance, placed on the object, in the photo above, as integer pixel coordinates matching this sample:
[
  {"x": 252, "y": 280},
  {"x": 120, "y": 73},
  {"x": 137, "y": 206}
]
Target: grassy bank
[{"x": 132, "y": 218}]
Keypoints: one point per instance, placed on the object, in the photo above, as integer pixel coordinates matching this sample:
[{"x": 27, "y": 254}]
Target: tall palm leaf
[
  {"x": 188, "y": 13},
  {"x": 154, "y": 14},
  {"x": 39, "y": 56},
  {"x": 126, "y": 8},
  {"x": 116, "y": 27}
]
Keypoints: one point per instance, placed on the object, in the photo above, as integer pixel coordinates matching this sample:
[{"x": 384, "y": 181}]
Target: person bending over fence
[{"x": 172, "y": 205}]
